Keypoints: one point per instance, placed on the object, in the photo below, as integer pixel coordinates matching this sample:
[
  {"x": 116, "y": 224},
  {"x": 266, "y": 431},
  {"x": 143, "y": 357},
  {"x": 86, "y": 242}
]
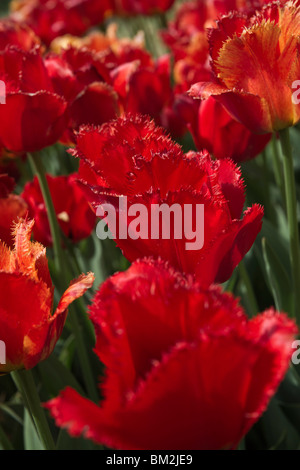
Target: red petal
[
  {"x": 229, "y": 247},
  {"x": 96, "y": 105},
  {"x": 42, "y": 338},
  {"x": 215, "y": 126},
  {"x": 30, "y": 122},
  {"x": 233, "y": 188}
]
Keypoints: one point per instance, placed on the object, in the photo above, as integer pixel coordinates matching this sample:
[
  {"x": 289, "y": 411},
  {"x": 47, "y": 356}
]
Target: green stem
[
  {"x": 278, "y": 168},
  {"x": 269, "y": 208},
  {"x": 64, "y": 275},
  {"x": 291, "y": 205},
  {"x": 38, "y": 169},
  {"x": 26, "y": 386},
  {"x": 251, "y": 299}
]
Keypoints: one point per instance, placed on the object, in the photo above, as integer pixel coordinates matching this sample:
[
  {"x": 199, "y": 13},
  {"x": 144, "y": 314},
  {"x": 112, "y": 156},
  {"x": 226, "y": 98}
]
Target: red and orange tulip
[
  {"x": 27, "y": 326},
  {"x": 256, "y": 62}
]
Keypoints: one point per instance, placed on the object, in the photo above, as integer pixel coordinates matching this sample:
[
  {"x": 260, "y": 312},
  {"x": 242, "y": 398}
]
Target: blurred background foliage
[{"x": 4, "y": 6}]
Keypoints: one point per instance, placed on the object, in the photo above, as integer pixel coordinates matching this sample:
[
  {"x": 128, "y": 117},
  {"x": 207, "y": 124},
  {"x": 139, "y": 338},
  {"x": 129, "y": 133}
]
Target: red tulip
[
  {"x": 145, "y": 90},
  {"x": 83, "y": 80},
  {"x": 151, "y": 171},
  {"x": 130, "y": 80},
  {"x": 256, "y": 65},
  {"x": 27, "y": 326},
  {"x": 74, "y": 214},
  {"x": 50, "y": 19},
  {"x": 185, "y": 369},
  {"x": 187, "y": 32},
  {"x": 115, "y": 51},
  {"x": 215, "y": 127},
  {"x": 186, "y": 37},
  {"x": 34, "y": 116}
]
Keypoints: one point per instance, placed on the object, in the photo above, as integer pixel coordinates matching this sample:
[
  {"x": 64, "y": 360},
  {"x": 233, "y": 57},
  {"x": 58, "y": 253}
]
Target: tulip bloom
[
  {"x": 110, "y": 76},
  {"x": 74, "y": 214},
  {"x": 83, "y": 80},
  {"x": 52, "y": 19},
  {"x": 115, "y": 51},
  {"x": 256, "y": 65},
  {"x": 102, "y": 76},
  {"x": 152, "y": 171},
  {"x": 186, "y": 34},
  {"x": 145, "y": 90},
  {"x": 185, "y": 369},
  {"x": 27, "y": 326},
  {"x": 34, "y": 115},
  {"x": 215, "y": 126},
  {"x": 12, "y": 207}
]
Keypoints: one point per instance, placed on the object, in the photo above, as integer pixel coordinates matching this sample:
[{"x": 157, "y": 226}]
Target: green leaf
[
  {"x": 278, "y": 242},
  {"x": 55, "y": 376},
  {"x": 289, "y": 396},
  {"x": 6, "y": 409},
  {"x": 31, "y": 438},
  {"x": 273, "y": 431},
  {"x": 278, "y": 280}
]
